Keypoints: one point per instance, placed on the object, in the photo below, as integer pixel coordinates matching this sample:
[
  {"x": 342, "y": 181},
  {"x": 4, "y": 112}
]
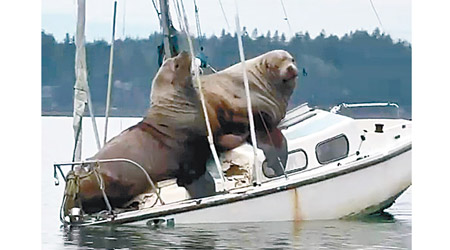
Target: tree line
[{"x": 358, "y": 67}]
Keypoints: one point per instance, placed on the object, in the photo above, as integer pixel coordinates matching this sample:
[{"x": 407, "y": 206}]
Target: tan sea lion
[
  {"x": 272, "y": 79},
  {"x": 163, "y": 143}
]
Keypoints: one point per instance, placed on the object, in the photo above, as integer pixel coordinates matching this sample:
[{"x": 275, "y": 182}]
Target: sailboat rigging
[{"x": 110, "y": 74}]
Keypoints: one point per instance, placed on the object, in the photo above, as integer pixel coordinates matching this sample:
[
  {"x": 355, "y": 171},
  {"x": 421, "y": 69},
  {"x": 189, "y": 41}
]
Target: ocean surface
[{"x": 389, "y": 231}]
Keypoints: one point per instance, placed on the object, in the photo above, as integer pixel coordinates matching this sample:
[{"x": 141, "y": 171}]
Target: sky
[{"x": 138, "y": 18}]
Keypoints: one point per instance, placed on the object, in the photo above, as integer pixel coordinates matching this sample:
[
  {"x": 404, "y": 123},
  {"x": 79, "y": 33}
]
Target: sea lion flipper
[
  {"x": 274, "y": 146},
  {"x": 230, "y": 141}
]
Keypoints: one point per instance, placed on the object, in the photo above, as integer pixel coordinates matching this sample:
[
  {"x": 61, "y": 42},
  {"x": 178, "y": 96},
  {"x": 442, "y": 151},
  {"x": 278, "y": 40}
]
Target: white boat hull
[{"x": 372, "y": 187}]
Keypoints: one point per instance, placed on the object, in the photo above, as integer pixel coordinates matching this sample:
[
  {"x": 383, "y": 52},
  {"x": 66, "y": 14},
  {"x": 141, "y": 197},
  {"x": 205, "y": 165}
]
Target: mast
[
  {"x": 82, "y": 94},
  {"x": 165, "y": 21},
  {"x": 81, "y": 90},
  {"x": 111, "y": 56}
]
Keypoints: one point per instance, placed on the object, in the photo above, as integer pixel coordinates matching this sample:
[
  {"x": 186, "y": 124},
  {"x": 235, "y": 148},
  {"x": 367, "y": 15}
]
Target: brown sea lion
[
  {"x": 162, "y": 142},
  {"x": 272, "y": 79}
]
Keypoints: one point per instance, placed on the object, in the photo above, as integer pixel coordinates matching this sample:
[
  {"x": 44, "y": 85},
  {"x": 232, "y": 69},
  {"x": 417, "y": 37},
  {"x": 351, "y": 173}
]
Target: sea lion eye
[
  {"x": 176, "y": 66},
  {"x": 293, "y": 60}
]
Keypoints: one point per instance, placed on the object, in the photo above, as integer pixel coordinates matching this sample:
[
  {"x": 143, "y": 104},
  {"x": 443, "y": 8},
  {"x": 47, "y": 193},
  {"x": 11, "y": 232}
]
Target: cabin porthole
[
  {"x": 297, "y": 161},
  {"x": 332, "y": 149}
]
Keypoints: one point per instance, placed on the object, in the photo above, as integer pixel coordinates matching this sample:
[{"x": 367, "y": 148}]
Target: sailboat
[{"x": 338, "y": 167}]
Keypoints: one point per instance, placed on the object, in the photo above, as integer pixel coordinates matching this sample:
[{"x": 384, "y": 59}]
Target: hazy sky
[{"x": 137, "y": 18}]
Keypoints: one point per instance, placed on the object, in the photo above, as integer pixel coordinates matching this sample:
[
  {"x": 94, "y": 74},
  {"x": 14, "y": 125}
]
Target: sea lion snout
[
  {"x": 291, "y": 72},
  {"x": 180, "y": 63},
  {"x": 183, "y": 58}
]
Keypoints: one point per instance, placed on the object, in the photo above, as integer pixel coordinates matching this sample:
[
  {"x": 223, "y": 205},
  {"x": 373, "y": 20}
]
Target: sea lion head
[
  {"x": 280, "y": 69},
  {"x": 275, "y": 77},
  {"x": 175, "y": 104},
  {"x": 174, "y": 73}
]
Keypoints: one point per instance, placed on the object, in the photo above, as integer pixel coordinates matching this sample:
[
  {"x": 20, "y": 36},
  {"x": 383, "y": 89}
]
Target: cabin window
[
  {"x": 332, "y": 149},
  {"x": 273, "y": 170},
  {"x": 297, "y": 161}
]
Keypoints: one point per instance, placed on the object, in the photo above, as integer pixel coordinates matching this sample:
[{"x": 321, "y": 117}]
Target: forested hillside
[{"x": 358, "y": 67}]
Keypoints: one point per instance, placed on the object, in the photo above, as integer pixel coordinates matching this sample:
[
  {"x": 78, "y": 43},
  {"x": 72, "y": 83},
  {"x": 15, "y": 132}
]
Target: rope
[
  {"x": 110, "y": 74},
  {"x": 201, "y": 56},
  {"x": 247, "y": 93},
  {"x": 286, "y": 17},
  {"x": 197, "y": 21},
  {"x": 94, "y": 123},
  {"x": 178, "y": 13},
  {"x": 212, "y": 69},
  {"x": 157, "y": 11},
  {"x": 225, "y": 16},
  {"x": 102, "y": 188},
  {"x": 202, "y": 97},
  {"x": 73, "y": 184},
  {"x": 376, "y": 14},
  {"x": 70, "y": 194}
]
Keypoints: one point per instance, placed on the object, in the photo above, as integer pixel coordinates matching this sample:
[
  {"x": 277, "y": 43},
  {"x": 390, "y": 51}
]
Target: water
[{"x": 390, "y": 231}]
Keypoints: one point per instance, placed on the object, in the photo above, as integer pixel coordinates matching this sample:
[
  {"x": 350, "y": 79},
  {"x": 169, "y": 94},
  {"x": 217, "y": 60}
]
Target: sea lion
[
  {"x": 272, "y": 79},
  {"x": 161, "y": 143}
]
